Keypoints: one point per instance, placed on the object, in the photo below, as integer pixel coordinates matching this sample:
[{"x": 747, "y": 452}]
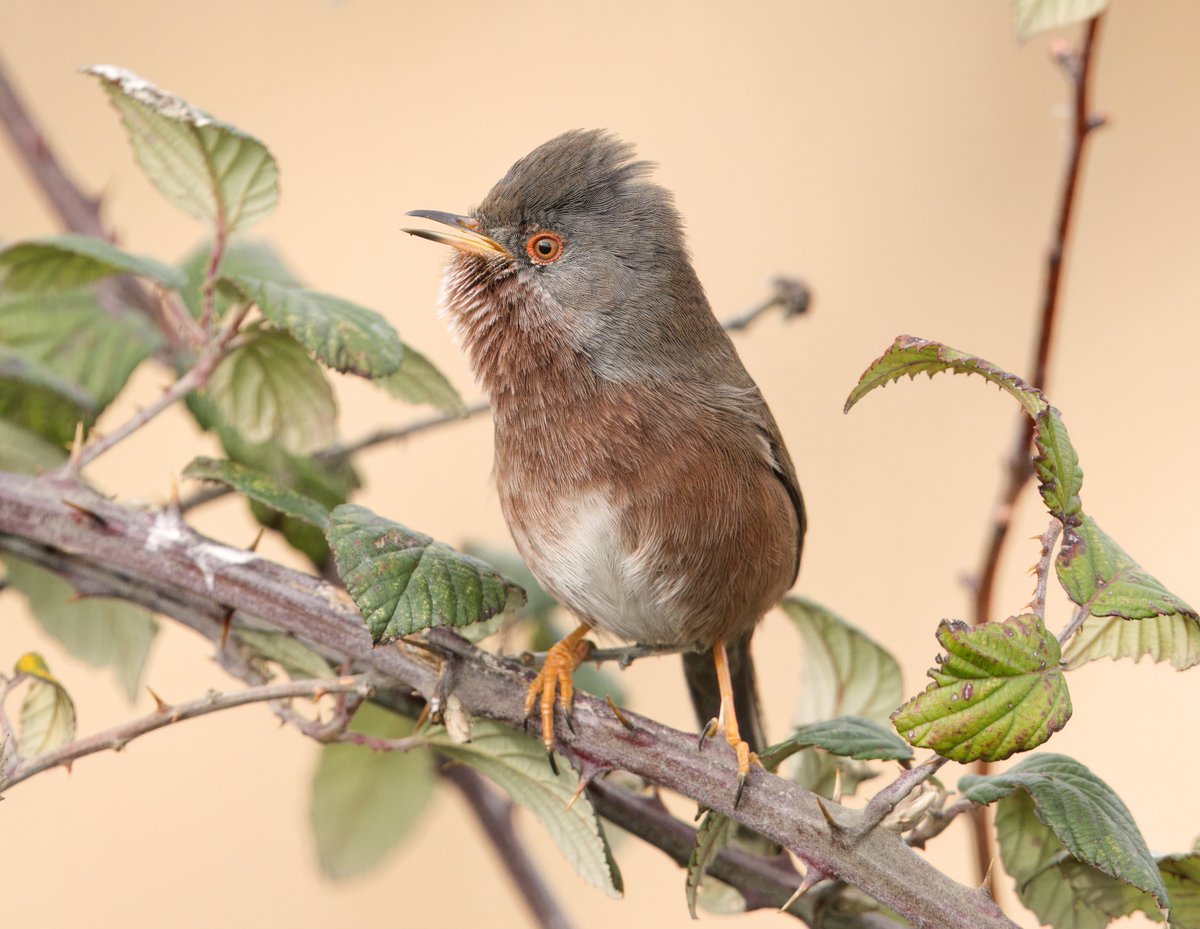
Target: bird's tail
[{"x": 701, "y": 676}]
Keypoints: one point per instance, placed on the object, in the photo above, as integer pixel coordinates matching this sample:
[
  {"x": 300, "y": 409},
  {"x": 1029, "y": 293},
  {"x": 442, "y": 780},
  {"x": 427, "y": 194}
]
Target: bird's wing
[
  {"x": 743, "y": 399},
  {"x": 781, "y": 465}
]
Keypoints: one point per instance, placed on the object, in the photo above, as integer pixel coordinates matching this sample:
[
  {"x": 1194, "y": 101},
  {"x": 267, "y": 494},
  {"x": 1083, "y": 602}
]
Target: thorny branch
[
  {"x": 119, "y": 736},
  {"x": 154, "y": 559},
  {"x": 1077, "y": 65}
]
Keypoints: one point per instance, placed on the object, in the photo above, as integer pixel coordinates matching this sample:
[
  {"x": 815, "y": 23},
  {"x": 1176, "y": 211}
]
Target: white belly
[{"x": 581, "y": 558}]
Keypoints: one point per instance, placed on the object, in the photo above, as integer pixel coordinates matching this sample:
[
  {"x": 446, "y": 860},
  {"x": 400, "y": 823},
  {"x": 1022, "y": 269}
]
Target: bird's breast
[{"x": 660, "y": 527}]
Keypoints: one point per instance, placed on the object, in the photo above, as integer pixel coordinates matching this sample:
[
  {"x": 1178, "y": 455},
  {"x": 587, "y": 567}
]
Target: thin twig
[
  {"x": 1042, "y": 568},
  {"x": 938, "y": 821},
  {"x": 890, "y": 796},
  {"x": 345, "y": 450},
  {"x": 1081, "y": 613},
  {"x": 118, "y": 737},
  {"x": 208, "y": 290},
  {"x": 193, "y": 379},
  {"x": 1078, "y": 67},
  {"x": 623, "y": 655},
  {"x": 495, "y": 814},
  {"x": 790, "y": 294}
]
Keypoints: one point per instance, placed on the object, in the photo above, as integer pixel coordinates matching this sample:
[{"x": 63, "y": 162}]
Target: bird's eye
[{"x": 544, "y": 247}]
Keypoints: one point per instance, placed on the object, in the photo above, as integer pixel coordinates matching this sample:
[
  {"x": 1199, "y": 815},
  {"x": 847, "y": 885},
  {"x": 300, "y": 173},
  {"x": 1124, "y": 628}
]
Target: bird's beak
[{"x": 465, "y": 237}]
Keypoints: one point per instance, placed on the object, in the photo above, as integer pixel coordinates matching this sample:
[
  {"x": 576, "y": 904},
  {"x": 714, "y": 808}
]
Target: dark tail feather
[{"x": 701, "y": 676}]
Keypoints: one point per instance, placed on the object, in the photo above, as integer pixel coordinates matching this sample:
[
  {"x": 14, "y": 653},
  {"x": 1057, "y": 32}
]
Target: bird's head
[{"x": 576, "y": 240}]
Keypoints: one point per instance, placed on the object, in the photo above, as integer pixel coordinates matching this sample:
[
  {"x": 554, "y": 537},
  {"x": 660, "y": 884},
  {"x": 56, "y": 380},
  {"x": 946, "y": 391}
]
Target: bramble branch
[
  {"x": 155, "y": 559},
  {"x": 118, "y": 737}
]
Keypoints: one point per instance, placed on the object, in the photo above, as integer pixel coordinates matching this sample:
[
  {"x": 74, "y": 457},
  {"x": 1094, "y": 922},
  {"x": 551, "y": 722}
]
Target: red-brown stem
[{"x": 1078, "y": 67}]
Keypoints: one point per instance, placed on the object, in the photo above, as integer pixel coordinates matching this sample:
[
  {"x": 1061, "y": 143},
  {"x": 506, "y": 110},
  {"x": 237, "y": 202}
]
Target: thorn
[
  {"x": 553, "y": 763},
  {"x": 253, "y": 546},
  {"x": 578, "y": 790},
  {"x": 708, "y": 732},
  {"x": 812, "y": 878},
  {"x": 986, "y": 886},
  {"x": 226, "y": 623},
  {"x": 90, "y": 514},
  {"x": 76, "y": 449},
  {"x": 837, "y": 784},
  {"x": 834, "y": 825},
  {"x": 422, "y": 719},
  {"x": 160, "y": 705},
  {"x": 621, "y": 717}
]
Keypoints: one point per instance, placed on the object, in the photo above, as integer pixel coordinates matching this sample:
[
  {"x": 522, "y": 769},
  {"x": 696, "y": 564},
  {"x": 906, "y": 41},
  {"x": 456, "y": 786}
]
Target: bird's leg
[
  {"x": 553, "y": 680},
  {"x": 740, "y": 747}
]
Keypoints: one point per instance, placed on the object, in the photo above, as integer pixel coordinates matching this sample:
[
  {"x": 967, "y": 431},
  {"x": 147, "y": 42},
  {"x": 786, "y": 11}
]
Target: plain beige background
[{"x": 904, "y": 158}]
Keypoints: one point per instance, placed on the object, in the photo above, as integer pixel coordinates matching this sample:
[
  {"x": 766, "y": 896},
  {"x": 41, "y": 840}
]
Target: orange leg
[
  {"x": 555, "y": 680},
  {"x": 740, "y": 747}
]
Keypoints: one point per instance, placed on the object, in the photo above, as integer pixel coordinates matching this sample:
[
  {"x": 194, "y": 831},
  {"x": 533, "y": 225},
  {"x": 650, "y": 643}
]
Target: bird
[{"x": 640, "y": 471}]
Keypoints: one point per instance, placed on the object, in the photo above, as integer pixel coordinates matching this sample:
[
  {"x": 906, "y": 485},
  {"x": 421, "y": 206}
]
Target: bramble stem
[
  {"x": 1078, "y": 67},
  {"x": 118, "y": 737}
]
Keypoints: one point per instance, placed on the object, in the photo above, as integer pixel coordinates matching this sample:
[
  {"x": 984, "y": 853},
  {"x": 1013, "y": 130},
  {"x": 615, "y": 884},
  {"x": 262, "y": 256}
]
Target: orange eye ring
[{"x": 544, "y": 247}]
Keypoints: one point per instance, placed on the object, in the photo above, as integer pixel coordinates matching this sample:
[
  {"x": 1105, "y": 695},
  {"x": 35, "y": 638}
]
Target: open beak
[{"x": 465, "y": 237}]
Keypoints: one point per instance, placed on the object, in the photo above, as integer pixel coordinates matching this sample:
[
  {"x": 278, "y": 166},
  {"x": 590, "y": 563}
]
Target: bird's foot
[{"x": 554, "y": 683}]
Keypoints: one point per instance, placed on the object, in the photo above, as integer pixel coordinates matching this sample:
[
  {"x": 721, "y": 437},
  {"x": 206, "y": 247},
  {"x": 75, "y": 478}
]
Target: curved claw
[{"x": 553, "y": 684}]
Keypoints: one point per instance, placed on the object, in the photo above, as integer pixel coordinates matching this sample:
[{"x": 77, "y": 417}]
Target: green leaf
[
  {"x": 712, "y": 837},
  {"x": 47, "y": 713},
  {"x": 269, "y": 390},
  {"x": 999, "y": 690},
  {"x": 403, "y": 581},
  {"x": 365, "y": 802},
  {"x": 417, "y": 381},
  {"x": 1132, "y": 613},
  {"x": 25, "y": 452},
  {"x": 33, "y": 396},
  {"x": 1172, "y": 638},
  {"x": 297, "y": 659},
  {"x": 1082, "y": 811},
  {"x": 846, "y": 736},
  {"x": 241, "y": 259},
  {"x": 517, "y": 763},
  {"x": 259, "y": 486},
  {"x": 343, "y": 335},
  {"x": 845, "y": 673},
  {"x": 912, "y": 356},
  {"x": 1096, "y": 573},
  {"x": 1181, "y": 876},
  {"x": 1057, "y": 467},
  {"x": 103, "y": 632},
  {"x": 65, "y": 334},
  {"x": 1033, "y": 16},
  {"x": 1060, "y": 890},
  {"x": 64, "y": 262},
  {"x": 207, "y": 168}
]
